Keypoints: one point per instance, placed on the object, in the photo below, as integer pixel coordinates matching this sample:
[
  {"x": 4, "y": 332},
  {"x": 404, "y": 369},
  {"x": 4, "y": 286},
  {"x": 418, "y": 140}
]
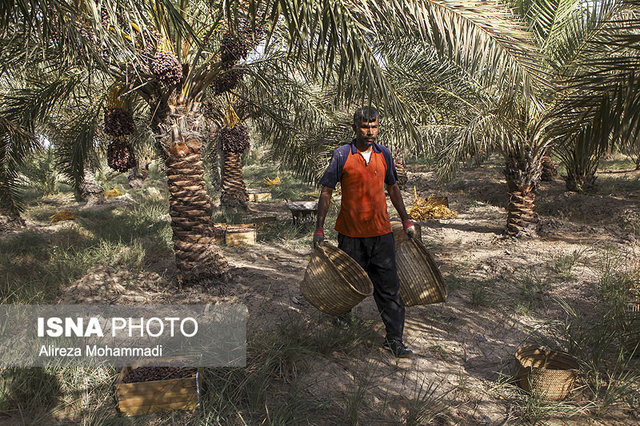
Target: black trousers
[{"x": 377, "y": 257}]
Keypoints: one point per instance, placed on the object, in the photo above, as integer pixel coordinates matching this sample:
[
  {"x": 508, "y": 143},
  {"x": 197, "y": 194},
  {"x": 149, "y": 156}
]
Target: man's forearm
[
  {"x": 396, "y": 199},
  {"x": 323, "y": 206}
]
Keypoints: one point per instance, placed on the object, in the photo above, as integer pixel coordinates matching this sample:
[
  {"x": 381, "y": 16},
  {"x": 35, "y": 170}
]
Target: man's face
[{"x": 366, "y": 132}]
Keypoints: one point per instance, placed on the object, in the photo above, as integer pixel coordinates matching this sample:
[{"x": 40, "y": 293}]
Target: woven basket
[
  {"x": 546, "y": 373},
  {"x": 334, "y": 282},
  {"x": 420, "y": 280}
]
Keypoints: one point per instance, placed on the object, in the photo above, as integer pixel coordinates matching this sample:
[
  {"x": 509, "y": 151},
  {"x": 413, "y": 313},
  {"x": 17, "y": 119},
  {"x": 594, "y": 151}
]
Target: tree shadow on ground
[
  {"x": 496, "y": 230},
  {"x": 28, "y": 393}
]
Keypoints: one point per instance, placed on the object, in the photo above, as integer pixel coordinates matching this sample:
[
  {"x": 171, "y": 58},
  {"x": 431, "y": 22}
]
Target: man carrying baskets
[{"x": 363, "y": 168}]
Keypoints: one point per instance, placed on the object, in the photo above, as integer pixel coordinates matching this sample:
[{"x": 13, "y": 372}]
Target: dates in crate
[{"x": 148, "y": 374}]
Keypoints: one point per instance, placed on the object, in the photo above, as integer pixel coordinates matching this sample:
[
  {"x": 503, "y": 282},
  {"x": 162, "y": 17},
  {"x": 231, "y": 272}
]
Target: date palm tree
[
  {"x": 169, "y": 53},
  {"x": 582, "y": 95}
]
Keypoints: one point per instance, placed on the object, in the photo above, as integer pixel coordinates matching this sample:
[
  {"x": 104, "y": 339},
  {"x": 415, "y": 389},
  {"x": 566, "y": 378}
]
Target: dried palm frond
[
  {"x": 433, "y": 207},
  {"x": 65, "y": 214}
]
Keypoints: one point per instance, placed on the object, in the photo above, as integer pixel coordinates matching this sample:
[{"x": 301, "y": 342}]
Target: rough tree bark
[
  {"x": 522, "y": 173},
  {"x": 234, "y": 191},
  {"x": 549, "y": 170},
  {"x": 182, "y": 134},
  {"x": 90, "y": 190}
]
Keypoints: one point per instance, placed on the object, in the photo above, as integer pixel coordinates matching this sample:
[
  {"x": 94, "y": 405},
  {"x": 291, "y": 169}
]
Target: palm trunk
[
  {"x": 580, "y": 182},
  {"x": 138, "y": 174},
  {"x": 197, "y": 256},
  {"x": 522, "y": 175},
  {"x": 90, "y": 190},
  {"x": 234, "y": 191},
  {"x": 213, "y": 161},
  {"x": 549, "y": 171}
]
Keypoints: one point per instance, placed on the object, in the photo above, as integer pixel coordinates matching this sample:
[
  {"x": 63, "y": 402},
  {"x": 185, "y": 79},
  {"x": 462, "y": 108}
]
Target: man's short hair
[{"x": 365, "y": 114}]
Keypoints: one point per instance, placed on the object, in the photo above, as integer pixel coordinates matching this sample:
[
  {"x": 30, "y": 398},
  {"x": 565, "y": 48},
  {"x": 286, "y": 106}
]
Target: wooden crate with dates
[{"x": 147, "y": 389}]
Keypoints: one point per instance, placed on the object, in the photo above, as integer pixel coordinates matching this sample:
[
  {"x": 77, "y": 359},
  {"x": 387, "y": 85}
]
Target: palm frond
[
  {"x": 483, "y": 39},
  {"x": 15, "y": 143},
  {"x": 75, "y": 145}
]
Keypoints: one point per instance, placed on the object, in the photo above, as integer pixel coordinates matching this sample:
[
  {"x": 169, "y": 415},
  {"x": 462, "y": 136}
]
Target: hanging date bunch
[
  {"x": 234, "y": 139},
  {"x": 228, "y": 80},
  {"x": 234, "y": 136},
  {"x": 234, "y": 47},
  {"x": 165, "y": 65},
  {"x": 119, "y": 124},
  {"x": 120, "y": 155}
]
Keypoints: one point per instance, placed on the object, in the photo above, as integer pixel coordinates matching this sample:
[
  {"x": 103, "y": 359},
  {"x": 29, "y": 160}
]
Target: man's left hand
[{"x": 409, "y": 228}]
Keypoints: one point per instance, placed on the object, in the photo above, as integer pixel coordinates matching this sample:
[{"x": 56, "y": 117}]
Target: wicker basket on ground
[
  {"x": 545, "y": 373},
  {"x": 421, "y": 282},
  {"x": 334, "y": 282}
]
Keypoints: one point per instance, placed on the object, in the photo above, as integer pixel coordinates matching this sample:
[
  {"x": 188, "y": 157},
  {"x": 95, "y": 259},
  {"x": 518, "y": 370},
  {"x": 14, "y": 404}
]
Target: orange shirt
[{"x": 363, "y": 210}]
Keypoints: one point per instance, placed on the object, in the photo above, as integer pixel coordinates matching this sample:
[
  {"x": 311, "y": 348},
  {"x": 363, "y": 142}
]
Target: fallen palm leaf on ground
[
  {"x": 431, "y": 208},
  {"x": 272, "y": 182},
  {"x": 113, "y": 192},
  {"x": 62, "y": 215}
]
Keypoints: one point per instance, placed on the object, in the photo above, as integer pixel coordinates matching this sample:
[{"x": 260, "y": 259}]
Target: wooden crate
[
  {"x": 240, "y": 234},
  {"x": 157, "y": 396},
  {"x": 258, "y": 195}
]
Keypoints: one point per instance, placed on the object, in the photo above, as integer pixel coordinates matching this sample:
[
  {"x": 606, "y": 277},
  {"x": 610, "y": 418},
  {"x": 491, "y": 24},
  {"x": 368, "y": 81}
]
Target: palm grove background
[
  {"x": 195, "y": 85},
  {"x": 176, "y": 79}
]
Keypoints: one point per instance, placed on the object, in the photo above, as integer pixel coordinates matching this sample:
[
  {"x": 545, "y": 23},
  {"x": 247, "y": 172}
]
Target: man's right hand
[
  {"x": 318, "y": 237},
  {"x": 409, "y": 228}
]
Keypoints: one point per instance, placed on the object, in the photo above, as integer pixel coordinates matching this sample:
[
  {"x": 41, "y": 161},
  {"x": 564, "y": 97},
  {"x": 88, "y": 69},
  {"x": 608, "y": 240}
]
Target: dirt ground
[{"x": 502, "y": 294}]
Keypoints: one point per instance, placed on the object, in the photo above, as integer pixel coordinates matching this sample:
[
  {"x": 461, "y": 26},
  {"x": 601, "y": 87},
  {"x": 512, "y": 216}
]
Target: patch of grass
[
  {"x": 355, "y": 399},
  {"x": 230, "y": 216},
  {"x": 290, "y": 188},
  {"x": 143, "y": 220},
  {"x": 614, "y": 386},
  {"x": 533, "y": 289},
  {"x": 536, "y": 410},
  {"x": 479, "y": 293},
  {"x": 563, "y": 264},
  {"x": 532, "y": 408},
  {"x": 610, "y": 374},
  {"x": 54, "y": 394},
  {"x": 38, "y": 265},
  {"x": 270, "y": 389},
  {"x": 284, "y": 230},
  {"x": 618, "y": 162},
  {"x": 28, "y": 390},
  {"x": 427, "y": 406},
  {"x": 611, "y": 184},
  {"x": 41, "y": 263}
]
